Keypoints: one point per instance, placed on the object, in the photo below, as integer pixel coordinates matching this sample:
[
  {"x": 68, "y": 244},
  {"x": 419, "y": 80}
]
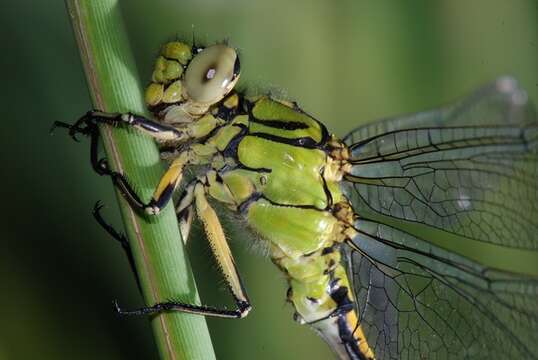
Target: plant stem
[{"x": 156, "y": 244}]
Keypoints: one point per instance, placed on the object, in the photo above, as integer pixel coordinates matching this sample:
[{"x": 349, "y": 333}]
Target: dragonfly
[{"x": 363, "y": 227}]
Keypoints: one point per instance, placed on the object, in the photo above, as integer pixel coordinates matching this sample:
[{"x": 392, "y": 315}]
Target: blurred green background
[{"x": 346, "y": 62}]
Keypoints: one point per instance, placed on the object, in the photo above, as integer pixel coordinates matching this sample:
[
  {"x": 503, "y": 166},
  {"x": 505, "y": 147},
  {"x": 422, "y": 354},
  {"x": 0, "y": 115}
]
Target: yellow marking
[
  {"x": 333, "y": 170},
  {"x": 231, "y": 101},
  {"x": 172, "y": 176},
  {"x": 224, "y": 136},
  {"x": 239, "y": 186},
  {"x": 160, "y": 65},
  {"x": 206, "y": 150},
  {"x": 218, "y": 191},
  {"x": 240, "y": 119},
  {"x": 358, "y": 334}
]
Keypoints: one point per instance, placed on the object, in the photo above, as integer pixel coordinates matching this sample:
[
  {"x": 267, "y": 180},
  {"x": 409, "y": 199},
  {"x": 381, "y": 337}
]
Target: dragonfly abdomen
[{"x": 319, "y": 288}]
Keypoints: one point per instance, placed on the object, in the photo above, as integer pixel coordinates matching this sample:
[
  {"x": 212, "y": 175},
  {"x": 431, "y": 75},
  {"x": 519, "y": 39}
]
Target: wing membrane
[
  {"x": 477, "y": 180},
  {"x": 417, "y": 301},
  {"x": 467, "y": 173}
]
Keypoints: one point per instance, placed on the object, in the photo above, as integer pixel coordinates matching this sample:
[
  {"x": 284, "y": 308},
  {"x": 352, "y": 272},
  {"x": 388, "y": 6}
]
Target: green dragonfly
[{"x": 357, "y": 225}]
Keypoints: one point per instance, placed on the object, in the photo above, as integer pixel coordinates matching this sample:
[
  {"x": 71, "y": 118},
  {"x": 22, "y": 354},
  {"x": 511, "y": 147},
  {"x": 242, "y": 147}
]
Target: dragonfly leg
[
  {"x": 164, "y": 191},
  {"x": 87, "y": 125},
  {"x": 216, "y": 189},
  {"x": 98, "y": 165},
  {"x": 223, "y": 255},
  {"x": 149, "y": 127},
  {"x": 157, "y": 130},
  {"x": 185, "y": 211},
  {"x": 169, "y": 181},
  {"x": 121, "y": 238}
]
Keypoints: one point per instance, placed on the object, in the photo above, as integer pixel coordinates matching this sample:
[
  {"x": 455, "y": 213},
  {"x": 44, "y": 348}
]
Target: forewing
[
  {"x": 468, "y": 172},
  {"x": 470, "y": 169}
]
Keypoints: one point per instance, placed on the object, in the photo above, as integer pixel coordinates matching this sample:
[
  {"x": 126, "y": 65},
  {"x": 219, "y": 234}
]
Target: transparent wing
[
  {"x": 419, "y": 184},
  {"x": 418, "y": 301},
  {"x": 470, "y": 169}
]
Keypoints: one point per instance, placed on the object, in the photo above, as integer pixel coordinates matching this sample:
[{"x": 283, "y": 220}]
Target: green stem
[{"x": 160, "y": 260}]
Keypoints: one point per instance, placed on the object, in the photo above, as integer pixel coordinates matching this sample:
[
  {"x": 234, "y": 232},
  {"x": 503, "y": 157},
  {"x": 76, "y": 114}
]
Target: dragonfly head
[
  {"x": 187, "y": 81},
  {"x": 212, "y": 74}
]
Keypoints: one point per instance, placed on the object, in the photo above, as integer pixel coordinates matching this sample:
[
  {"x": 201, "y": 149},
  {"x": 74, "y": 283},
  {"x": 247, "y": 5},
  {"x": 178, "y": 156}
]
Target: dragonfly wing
[
  {"x": 418, "y": 301},
  {"x": 420, "y": 184},
  {"x": 478, "y": 180}
]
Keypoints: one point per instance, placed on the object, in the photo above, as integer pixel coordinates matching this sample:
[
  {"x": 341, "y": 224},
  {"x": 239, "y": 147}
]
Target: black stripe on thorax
[
  {"x": 243, "y": 207},
  {"x": 228, "y": 114},
  {"x": 231, "y": 149},
  {"x": 304, "y": 142},
  {"x": 280, "y": 124}
]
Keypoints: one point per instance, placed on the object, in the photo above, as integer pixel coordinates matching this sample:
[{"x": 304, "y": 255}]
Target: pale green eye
[{"x": 212, "y": 74}]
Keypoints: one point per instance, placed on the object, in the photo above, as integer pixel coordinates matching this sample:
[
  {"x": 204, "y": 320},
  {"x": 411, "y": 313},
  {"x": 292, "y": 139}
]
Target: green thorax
[
  {"x": 279, "y": 172},
  {"x": 278, "y": 152}
]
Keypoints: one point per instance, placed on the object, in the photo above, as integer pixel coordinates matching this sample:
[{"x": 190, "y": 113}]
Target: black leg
[
  {"x": 99, "y": 165},
  {"x": 73, "y": 131},
  {"x": 121, "y": 238},
  {"x": 147, "y": 126},
  {"x": 243, "y": 307},
  {"x": 242, "y": 310},
  {"x": 87, "y": 126},
  {"x": 196, "y": 194}
]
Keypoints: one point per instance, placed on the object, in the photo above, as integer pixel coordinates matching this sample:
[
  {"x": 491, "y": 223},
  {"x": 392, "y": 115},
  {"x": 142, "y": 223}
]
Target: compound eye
[{"x": 212, "y": 74}]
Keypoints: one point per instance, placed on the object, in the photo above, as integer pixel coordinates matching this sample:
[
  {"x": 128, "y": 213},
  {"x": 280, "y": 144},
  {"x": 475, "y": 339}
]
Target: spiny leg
[
  {"x": 185, "y": 211},
  {"x": 196, "y": 154},
  {"x": 87, "y": 125},
  {"x": 152, "y": 128},
  {"x": 223, "y": 255},
  {"x": 178, "y": 133},
  {"x": 164, "y": 190},
  {"x": 162, "y": 195},
  {"x": 121, "y": 238},
  {"x": 220, "y": 248}
]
